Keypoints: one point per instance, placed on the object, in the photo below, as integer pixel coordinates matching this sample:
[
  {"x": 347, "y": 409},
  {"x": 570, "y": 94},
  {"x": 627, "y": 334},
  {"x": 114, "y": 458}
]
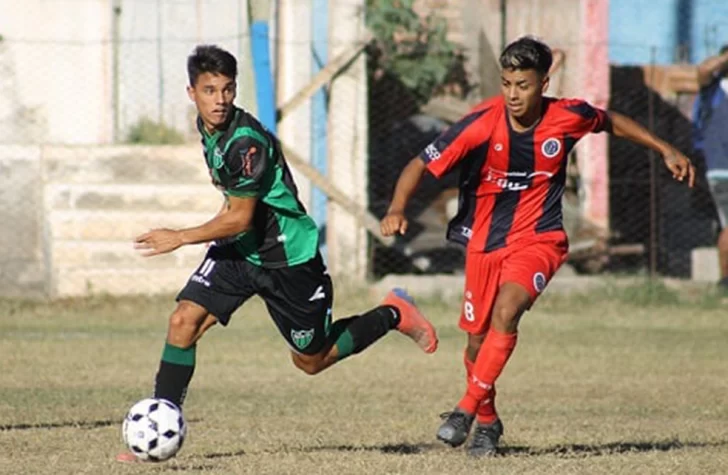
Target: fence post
[
  {"x": 653, "y": 166},
  {"x": 115, "y": 31}
]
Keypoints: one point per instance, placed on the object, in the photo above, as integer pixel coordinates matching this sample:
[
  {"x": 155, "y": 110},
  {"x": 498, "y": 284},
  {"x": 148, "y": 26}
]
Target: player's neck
[{"x": 528, "y": 120}]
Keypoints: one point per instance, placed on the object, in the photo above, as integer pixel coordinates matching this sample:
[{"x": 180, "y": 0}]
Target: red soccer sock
[
  {"x": 486, "y": 413},
  {"x": 489, "y": 364}
]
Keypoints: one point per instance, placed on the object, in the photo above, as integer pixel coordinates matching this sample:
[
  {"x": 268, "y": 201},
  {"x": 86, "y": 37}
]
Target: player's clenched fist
[{"x": 393, "y": 223}]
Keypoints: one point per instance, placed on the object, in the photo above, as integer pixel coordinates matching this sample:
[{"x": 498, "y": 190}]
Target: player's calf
[{"x": 313, "y": 364}]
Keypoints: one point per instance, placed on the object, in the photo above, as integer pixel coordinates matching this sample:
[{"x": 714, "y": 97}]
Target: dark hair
[
  {"x": 724, "y": 49},
  {"x": 527, "y": 53},
  {"x": 211, "y": 59}
]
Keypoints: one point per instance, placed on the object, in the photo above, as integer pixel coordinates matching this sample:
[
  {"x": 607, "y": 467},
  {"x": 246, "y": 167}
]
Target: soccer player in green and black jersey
[{"x": 263, "y": 243}]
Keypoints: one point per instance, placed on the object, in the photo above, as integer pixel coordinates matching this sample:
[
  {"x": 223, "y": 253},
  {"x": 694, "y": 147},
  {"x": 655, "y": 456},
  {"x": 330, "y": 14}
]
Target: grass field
[{"x": 615, "y": 381}]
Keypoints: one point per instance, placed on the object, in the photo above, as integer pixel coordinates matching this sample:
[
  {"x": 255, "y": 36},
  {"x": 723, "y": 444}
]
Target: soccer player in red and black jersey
[{"x": 511, "y": 152}]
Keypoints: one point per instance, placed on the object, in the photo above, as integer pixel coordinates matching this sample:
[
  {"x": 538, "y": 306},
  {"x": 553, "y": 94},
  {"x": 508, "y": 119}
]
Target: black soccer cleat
[
  {"x": 485, "y": 439},
  {"x": 456, "y": 427}
]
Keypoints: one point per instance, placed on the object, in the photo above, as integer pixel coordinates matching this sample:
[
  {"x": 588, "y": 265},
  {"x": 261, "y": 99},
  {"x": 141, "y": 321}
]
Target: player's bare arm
[
  {"x": 678, "y": 164},
  {"x": 708, "y": 68},
  {"x": 395, "y": 221},
  {"x": 236, "y": 219}
]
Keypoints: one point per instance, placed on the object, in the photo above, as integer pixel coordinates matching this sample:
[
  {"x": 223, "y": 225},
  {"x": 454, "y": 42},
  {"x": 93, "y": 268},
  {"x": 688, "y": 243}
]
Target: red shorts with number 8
[{"x": 531, "y": 263}]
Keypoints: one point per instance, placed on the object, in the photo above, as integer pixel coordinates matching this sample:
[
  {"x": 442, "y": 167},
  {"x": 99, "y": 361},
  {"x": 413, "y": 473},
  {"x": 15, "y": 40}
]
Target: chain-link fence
[{"x": 77, "y": 89}]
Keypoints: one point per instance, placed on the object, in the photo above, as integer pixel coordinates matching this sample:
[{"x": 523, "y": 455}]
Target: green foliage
[
  {"x": 412, "y": 48},
  {"x": 149, "y": 132}
]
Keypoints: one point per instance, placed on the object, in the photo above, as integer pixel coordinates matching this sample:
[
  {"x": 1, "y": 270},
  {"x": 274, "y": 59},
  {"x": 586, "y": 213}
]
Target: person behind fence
[
  {"x": 710, "y": 127},
  {"x": 511, "y": 152},
  {"x": 263, "y": 243}
]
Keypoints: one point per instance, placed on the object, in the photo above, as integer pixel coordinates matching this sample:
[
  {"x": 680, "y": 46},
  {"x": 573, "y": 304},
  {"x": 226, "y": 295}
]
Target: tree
[{"x": 411, "y": 47}]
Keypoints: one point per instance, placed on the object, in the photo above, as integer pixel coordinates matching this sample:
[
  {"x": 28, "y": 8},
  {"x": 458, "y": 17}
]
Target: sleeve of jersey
[
  {"x": 590, "y": 119},
  {"x": 448, "y": 149},
  {"x": 245, "y": 167}
]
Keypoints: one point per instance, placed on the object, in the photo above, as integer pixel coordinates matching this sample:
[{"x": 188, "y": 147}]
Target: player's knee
[
  {"x": 505, "y": 317},
  {"x": 182, "y": 328},
  {"x": 308, "y": 364}
]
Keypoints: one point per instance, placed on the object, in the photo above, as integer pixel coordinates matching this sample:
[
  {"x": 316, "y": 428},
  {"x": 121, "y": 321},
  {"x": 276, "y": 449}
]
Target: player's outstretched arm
[
  {"x": 395, "y": 222},
  {"x": 710, "y": 67},
  {"x": 676, "y": 162},
  {"x": 237, "y": 219}
]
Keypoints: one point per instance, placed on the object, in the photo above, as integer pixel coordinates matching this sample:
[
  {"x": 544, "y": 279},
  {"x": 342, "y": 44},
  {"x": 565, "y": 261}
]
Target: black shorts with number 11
[{"x": 298, "y": 298}]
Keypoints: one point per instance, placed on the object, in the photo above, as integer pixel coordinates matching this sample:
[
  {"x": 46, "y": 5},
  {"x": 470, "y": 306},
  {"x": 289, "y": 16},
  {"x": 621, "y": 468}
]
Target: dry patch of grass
[{"x": 617, "y": 381}]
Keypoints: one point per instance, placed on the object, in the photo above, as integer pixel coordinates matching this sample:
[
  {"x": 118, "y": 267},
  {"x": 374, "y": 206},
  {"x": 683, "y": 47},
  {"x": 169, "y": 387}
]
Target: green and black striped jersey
[{"x": 245, "y": 160}]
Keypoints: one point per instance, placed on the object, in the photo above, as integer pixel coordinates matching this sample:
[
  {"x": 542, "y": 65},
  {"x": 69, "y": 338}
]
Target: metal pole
[
  {"x": 160, "y": 66},
  {"x": 115, "y": 31},
  {"x": 653, "y": 166},
  {"x": 503, "y": 25}
]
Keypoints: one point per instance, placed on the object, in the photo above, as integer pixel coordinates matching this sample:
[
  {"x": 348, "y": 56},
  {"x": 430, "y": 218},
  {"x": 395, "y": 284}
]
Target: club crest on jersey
[
  {"x": 551, "y": 147},
  {"x": 247, "y": 156},
  {"x": 539, "y": 282},
  {"x": 302, "y": 338},
  {"x": 218, "y": 158}
]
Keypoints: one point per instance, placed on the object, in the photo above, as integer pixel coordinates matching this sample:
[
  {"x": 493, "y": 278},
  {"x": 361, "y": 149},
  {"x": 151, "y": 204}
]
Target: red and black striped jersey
[{"x": 511, "y": 183}]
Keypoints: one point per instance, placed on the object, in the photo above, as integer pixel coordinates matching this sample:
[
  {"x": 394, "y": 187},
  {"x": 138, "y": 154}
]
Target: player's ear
[
  {"x": 545, "y": 84},
  {"x": 191, "y": 93}
]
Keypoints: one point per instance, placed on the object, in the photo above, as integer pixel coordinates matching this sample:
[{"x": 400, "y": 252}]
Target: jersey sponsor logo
[
  {"x": 432, "y": 153},
  {"x": 539, "y": 282},
  {"x": 551, "y": 147},
  {"x": 513, "y": 181},
  {"x": 302, "y": 338},
  {"x": 318, "y": 294}
]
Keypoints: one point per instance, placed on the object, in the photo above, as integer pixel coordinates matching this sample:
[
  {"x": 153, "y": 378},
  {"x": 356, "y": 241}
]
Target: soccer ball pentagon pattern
[{"x": 154, "y": 429}]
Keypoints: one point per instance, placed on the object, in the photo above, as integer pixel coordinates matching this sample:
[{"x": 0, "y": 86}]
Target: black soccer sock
[
  {"x": 352, "y": 335},
  {"x": 175, "y": 373}
]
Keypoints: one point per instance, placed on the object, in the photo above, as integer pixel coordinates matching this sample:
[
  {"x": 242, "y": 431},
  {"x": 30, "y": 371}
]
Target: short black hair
[
  {"x": 211, "y": 59},
  {"x": 527, "y": 53},
  {"x": 724, "y": 49}
]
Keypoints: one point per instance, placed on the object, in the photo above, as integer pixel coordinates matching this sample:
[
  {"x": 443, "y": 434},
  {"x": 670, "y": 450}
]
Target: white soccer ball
[{"x": 154, "y": 429}]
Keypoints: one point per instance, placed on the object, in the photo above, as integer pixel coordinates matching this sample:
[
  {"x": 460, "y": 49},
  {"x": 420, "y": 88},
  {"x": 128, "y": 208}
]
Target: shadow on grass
[
  {"x": 60, "y": 425},
  {"x": 583, "y": 450},
  {"x": 398, "y": 449},
  {"x": 403, "y": 449},
  {"x": 565, "y": 451},
  {"x": 570, "y": 450},
  {"x": 68, "y": 425}
]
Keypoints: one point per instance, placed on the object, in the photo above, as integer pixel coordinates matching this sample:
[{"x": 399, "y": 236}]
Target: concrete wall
[
  {"x": 74, "y": 218},
  {"x": 56, "y": 70},
  {"x": 23, "y": 253},
  {"x": 56, "y": 65}
]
